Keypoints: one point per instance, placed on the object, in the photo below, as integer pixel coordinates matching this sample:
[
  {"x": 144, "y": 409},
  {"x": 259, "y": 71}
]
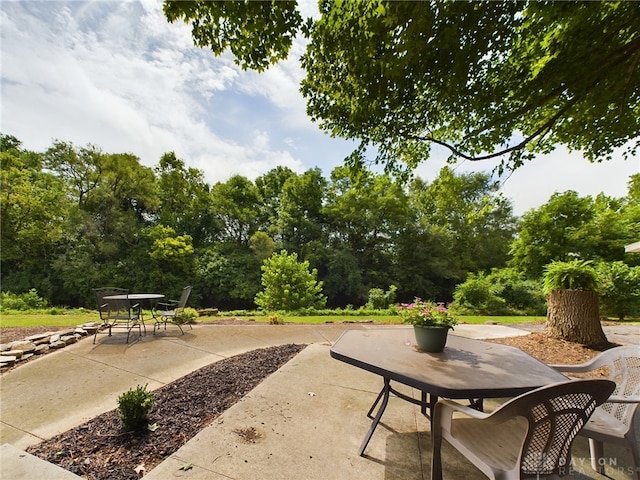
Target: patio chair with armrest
[
  {"x": 529, "y": 436},
  {"x": 169, "y": 312},
  {"x": 117, "y": 313},
  {"x": 615, "y": 420}
]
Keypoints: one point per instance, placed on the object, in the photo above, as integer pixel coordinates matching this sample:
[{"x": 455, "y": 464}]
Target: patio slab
[{"x": 307, "y": 420}]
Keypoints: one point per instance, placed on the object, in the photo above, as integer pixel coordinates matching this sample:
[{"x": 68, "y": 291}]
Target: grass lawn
[
  {"x": 72, "y": 319},
  {"x": 68, "y": 319}
]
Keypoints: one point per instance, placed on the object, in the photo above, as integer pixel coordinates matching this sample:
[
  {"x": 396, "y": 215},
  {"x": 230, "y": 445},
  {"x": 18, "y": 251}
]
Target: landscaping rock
[
  {"x": 39, "y": 337},
  {"x": 23, "y": 345},
  {"x": 69, "y": 339},
  {"x": 7, "y": 360},
  {"x": 40, "y": 349},
  {"x": 15, "y": 352}
]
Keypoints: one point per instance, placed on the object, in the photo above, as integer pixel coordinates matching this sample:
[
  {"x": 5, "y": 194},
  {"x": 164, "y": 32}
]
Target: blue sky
[{"x": 116, "y": 74}]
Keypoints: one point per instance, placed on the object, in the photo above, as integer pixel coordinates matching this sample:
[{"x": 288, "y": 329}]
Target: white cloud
[
  {"x": 532, "y": 184},
  {"x": 117, "y": 75}
]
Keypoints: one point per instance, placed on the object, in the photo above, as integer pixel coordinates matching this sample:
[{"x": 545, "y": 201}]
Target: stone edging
[{"x": 21, "y": 350}]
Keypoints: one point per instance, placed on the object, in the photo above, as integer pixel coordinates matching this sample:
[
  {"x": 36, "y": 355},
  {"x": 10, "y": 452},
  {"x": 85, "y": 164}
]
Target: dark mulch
[{"x": 100, "y": 449}]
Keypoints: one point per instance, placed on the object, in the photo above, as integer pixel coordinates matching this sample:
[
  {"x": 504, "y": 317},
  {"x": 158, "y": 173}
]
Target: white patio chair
[
  {"x": 613, "y": 422},
  {"x": 529, "y": 436}
]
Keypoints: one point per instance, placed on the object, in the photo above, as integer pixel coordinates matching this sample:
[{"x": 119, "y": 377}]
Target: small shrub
[
  {"x": 188, "y": 315},
  {"x": 379, "y": 299},
  {"x": 276, "y": 319},
  {"x": 133, "y": 407},
  {"x": 289, "y": 285},
  {"x": 478, "y": 296}
]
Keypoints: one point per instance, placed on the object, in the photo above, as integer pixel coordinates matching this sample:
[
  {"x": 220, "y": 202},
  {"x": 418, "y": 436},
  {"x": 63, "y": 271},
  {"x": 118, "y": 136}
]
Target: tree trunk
[{"x": 574, "y": 316}]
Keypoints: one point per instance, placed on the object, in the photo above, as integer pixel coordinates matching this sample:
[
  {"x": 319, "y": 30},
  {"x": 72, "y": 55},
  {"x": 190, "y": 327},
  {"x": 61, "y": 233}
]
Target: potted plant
[{"x": 431, "y": 323}]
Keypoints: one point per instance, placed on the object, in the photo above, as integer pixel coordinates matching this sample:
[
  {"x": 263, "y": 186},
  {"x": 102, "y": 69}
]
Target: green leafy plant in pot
[{"x": 431, "y": 323}]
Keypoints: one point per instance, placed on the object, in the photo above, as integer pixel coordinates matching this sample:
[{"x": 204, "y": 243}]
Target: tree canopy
[
  {"x": 484, "y": 79},
  {"x": 74, "y": 218}
]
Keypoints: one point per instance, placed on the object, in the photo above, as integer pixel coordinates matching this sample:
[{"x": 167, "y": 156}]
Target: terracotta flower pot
[{"x": 431, "y": 339}]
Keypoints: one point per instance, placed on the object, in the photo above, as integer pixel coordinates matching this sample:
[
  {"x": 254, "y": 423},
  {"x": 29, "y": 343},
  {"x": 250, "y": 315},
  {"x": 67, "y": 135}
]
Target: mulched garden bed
[{"x": 100, "y": 449}]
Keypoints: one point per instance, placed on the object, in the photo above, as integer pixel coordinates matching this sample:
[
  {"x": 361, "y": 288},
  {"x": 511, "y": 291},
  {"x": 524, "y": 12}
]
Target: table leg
[
  {"x": 376, "y": 420},
  {"x": 376, "y": 402},
  {"x": 433, "y": 399}
]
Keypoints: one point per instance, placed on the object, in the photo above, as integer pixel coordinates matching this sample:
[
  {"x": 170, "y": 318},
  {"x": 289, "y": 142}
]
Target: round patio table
[
  {"x": 135, "y": 296},
  {"x": 138, "y": 297}
]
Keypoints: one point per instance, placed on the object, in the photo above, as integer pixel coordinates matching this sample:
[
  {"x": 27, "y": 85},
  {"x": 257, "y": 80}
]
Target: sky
[{"x": 117, "y": 75}]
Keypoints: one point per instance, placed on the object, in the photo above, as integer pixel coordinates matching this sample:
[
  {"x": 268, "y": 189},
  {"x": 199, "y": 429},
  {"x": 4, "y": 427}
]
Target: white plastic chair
[
  {"x": 529, "y": 436},
  {"x": 613, "y": 422}
]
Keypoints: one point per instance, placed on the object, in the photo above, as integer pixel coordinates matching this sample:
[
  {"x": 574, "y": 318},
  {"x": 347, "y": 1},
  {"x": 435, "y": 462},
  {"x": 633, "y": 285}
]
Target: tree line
[{"x": 77, "y": 218}]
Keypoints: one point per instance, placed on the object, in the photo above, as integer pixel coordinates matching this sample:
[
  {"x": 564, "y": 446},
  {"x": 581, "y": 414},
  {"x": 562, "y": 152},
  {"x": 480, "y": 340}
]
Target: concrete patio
[{"x": 307, "y": 420}]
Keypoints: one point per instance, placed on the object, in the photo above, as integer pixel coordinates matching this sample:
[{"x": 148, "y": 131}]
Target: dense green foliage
[
  {"x": 502, "y": 292},
  {"x": 104, "y": 219},
  {"x": 569, "y": 226},
  {"x": 483, "y": 78},
  {"x": 74, "y": 219},
  {"x": 262, "y": 35},
  {"x": 619, "y": 289},
  {"x": 21, "y": 302}
]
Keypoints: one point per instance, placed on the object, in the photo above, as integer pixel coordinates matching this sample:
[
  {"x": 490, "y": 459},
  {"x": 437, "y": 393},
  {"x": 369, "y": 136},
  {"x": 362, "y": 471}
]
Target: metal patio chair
[
  {"x": 530, "y": 436},
  {"x": 613, "y": 422},
  {"x": 169, "y": 312},
  {"x": 117, "y": 313}
]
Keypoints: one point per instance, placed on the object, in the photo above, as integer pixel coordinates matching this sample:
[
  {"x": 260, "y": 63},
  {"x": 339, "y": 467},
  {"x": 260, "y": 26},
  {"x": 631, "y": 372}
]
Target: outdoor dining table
[
  {"x": 137, "y": 297},
  {"x": 466, "y": 369}
]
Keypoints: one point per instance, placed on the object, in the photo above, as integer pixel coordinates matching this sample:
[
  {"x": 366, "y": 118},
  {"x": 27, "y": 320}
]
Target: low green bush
[
  {"x": 188, "y": 315},
  {"x": 379, "y": 299},
  {"x": 21, "y": 302},
  {"x": 133, "y": 407},
  {"x": 502, "y": 292}
]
